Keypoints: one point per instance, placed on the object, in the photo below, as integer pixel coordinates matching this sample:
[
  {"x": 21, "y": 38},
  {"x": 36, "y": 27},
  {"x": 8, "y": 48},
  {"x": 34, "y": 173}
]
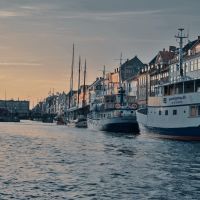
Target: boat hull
[
  {"x": 189, "y": 133},
  {"x": 118, "y": 124}
]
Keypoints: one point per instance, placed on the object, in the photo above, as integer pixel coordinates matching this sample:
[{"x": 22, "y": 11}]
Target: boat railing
[{"x": 143, "y": 111}]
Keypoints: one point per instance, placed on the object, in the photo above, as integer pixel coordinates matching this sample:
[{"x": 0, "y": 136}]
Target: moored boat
[
  {"x": 106, "y": 114},
  {"x": 174, "y": 110}
]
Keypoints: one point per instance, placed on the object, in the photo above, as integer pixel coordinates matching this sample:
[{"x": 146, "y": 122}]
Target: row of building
[
  {"x": 15, "y": 107},
  {"x": 138, "y": 80}
]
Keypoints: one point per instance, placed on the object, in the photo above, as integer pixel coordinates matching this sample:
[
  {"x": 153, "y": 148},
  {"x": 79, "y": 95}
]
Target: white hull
[{"x": 176, "y": 120}]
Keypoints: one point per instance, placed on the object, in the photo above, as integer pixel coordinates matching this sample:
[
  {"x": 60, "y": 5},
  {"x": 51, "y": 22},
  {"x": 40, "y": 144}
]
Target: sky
[{"x": 36, "y": 38}]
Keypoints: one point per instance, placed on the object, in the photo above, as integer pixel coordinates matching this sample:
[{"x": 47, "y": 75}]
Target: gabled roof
[
  {"x": 97, "y": 81},
  {"x": 135, "y": 61},
  {"x": 153, "y": 61},
  {"x": 189, "y": 45},
  {"x": 166, "y": 55}
]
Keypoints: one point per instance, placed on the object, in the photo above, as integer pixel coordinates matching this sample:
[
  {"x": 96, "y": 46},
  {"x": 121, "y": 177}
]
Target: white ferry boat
[
  {"x": 173, "y": 114},
  {"x": 107, "y": 114},
  {"x": 175, "y": 108}
]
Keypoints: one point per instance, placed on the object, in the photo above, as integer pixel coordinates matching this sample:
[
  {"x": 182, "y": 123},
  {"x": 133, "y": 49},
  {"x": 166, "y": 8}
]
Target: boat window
[
  {"x": 166, "y": 112},
  {"x": 174, "y": 112},
  {"x": 193, "y": 111}
]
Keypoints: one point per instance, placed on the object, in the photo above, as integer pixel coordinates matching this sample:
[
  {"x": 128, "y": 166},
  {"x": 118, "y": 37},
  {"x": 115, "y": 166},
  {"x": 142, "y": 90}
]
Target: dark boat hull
[
  {"x": 118, "y": 124},
  {"x": 189, "y": 133}
]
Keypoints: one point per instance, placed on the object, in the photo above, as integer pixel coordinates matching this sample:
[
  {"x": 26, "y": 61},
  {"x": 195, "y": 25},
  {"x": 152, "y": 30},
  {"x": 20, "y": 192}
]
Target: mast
[
  {"x": 71, "y": 78},
  {"x": 79, "y": 78},
  {"x": 120, "y": 74},
  {"x": 180, "y": 36},
  {"x": 5, "y": 99},
  {"x": 121, "y": 91},
  {"x": 84, "y": 86},
  {"x": 72, "y": 71},
  {"x": 104, "y": 74}
]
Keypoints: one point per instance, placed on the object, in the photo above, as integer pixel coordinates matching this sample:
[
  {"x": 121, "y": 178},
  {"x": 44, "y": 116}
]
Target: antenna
[
  {"x": 188, "y": 33},
  {"x": 180, "y": 37}
]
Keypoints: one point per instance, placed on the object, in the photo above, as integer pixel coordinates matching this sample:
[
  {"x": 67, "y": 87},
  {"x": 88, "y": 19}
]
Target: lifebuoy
[
  {"x": 117, "y": 106},
  {"x": 133, "y": 106}
]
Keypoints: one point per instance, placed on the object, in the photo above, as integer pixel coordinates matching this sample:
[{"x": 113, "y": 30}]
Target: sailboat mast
[
  {"x": 79, "y": 78},
  {"x": 104, "y": 74},
  {"x": 72, "y": 71},
  {"x": 120, "y": 71},
  {"x": 84, "y": 86},
  {"x": 71, "y": 78}
]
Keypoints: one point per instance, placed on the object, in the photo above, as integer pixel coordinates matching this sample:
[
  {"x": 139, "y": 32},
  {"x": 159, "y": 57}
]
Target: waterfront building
[
  {"x": 21, "y": 108},
  {"x": 131, "y": 68},
  {"x": 61, "y": 102},
  {"x": 95, "y": 89},
  {"x": 159, "y": 68},
  {"x": 143, "y": 83},
  {"x": 112, "y": 82},
  {"x": 191, "y": 62}
]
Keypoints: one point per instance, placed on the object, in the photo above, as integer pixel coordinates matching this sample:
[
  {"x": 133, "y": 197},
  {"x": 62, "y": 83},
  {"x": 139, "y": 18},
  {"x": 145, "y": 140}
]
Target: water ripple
[{"x": 44, "y": 161}]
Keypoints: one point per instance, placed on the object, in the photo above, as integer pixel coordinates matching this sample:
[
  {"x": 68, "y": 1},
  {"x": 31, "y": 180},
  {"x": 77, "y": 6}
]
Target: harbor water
[{"x": 45, "y": 161}]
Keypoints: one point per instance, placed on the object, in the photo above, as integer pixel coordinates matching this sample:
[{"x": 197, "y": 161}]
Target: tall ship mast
[
  {"x": 71, "y": 77},
  {"x": 174, "y": 110}
]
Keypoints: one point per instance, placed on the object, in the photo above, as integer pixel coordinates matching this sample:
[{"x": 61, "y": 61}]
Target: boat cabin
[{"x": 181, "y": 87}]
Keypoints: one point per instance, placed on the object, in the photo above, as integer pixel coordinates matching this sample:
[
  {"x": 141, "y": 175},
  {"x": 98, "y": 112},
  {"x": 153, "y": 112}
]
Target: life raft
[{"x": 133, "y": 106}]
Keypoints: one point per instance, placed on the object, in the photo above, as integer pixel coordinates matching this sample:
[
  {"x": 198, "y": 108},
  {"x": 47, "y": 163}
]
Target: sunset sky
[{"x": 36, "y": 38}]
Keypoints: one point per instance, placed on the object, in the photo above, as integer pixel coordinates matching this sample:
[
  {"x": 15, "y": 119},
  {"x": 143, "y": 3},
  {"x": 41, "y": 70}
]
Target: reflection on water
[{"x": 45, "y": 161}]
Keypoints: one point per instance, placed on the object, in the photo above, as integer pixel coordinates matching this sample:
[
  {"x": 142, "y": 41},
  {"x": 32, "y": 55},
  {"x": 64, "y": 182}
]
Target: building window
[
  {"x": 174, "y": 112},
  {"x": 195, "y": 64},
  {"x": 166, "y": 112},
  {"x": 160, "y": 112},
  {"x": 186, "y": 67},
  {"x": 192, "y": 66}
]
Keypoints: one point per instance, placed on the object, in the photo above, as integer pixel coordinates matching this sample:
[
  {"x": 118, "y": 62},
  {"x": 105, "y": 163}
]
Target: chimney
[
  {"x": 164, "y": 50},
  {"x": 172, "y": 48}
]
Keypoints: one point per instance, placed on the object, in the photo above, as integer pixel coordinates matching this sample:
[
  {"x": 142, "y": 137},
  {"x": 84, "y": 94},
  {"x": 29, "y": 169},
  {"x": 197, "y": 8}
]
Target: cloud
[
  {"x": 20, "y": 64},
  {"x": 6, "y": 14},
  {"x": 109, "y": 15}
]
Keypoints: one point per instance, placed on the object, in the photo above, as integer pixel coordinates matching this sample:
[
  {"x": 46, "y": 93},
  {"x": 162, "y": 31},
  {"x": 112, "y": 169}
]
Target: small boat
[
  {"x": 81, "y": 122},
  {"x": 112, "y": 117}
]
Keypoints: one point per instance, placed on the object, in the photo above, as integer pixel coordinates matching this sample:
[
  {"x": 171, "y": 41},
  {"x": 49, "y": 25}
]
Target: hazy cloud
[
  {"x": 6, "y": 14},
  {"x": 19, "y": 64}
]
